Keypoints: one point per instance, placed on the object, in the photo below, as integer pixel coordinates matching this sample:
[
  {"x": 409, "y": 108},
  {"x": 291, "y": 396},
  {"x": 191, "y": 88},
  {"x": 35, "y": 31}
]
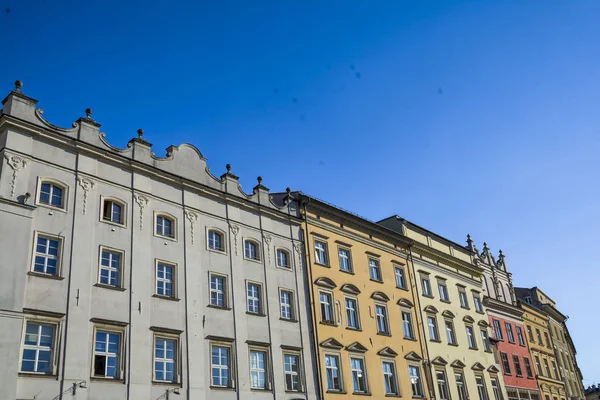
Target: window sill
[
  {"x": 402, "y": 288},
  {"x": 328, "y": 323},
  {"x": 254, "y": 260},
  {"x": 37, "y": 375},
  {"x": 465, "y": 308},
  {"x": 159, "y": 296},
  {"x": 260, "y": 389},
  {"x": 47, "y": 276},
  {"x": 288, "y": 319},
  {"x": 383, "y": 334},
  {"x": 480, "y": 312},
  {"x": 221, "y": 387},
  {"x": 51, "y": 208},
  {"x": 166, "y": 383},
  {"x": 429, "y": 296},
  {"x": 392, "y": 395},
  {"x": 322, "y": 265},
  {"x": 473, "y": 348},
  {"x": 218, "y": 307},
  {"x": 293, "y": 391},
  {"x": 113, "y": 223},
  {"x": 410, "y": 338},
  {"x": 445, "y": 301},
  {"x": 435, "y": 340},
  {"x": 353, "y": 329},
  {"x": 335, "y": 392},
  {"x": 218, "y": 251},
  {"x": 347, "y": 272},
  {"x": 256, "y": 314},
  {"x": 361, "y": 394},
  {"x": 170, "y": 238},
  {"x": 106, "y": 379},
  {"x": 288, "y": 268},
  {"x": 103, "y": 286},
  {"x": 453, "y": 344},
  {"x": 377, "y": 281}
]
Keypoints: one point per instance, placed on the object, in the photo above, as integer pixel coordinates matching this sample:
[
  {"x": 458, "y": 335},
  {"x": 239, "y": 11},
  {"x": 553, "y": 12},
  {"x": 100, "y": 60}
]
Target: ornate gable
[
  {"x": 357, "y": 348},
  {"x": 457, "y": 364},
  {"x": 331, "y": 343},
  {"x": 387, "y": 352},
  {"x": 412, "y": 356},
  {"x": 439, "y": 361},
  {"x": 478, "y": 367},
  {"x": 493, "y": 369}
]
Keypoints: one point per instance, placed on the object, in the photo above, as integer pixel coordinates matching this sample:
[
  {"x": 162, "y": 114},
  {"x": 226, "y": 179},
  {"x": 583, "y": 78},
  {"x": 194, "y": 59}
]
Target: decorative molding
[
  {"x": 457, "y": 364},
  {"x": 325, "y": 282},
  {"x": 439, "y": 361},
  {"x": 235, "y": 230},
  {"x": 331, "y": 343},
  {"x": 412, "y": 356},
  {"x": 350, "y": 288},
  {"x": 267, "y": 240},
  {"x": 387, "y": 352},
  {"x": 448, "y": 314},
  {"x": 192, "y": 217},
  {"x": 478, "y": 367},
  {"x": 16, "y": 163},
  {"x": 405, "y": 303},
  {"x": 298, "y": 247},
  {"x": 86, "y": 184},
  {"x": 357, "y": 348},
  {"x": 380, "y": 296},
  {"x": 142, "y": 202},
  {"x": 430, "y": 309}
]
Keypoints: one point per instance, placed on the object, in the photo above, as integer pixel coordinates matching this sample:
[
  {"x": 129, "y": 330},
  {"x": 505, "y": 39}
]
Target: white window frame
[
  {"x": 510, "y": 335},
  {"x": 109, "y": 329},
  {"x": 472, "y": 342},
  {"x": 481, "y": 389},
  {"x": 426, "y": 286},
  {"x": 324, "y": 260},
  {"x": 461, "y": 385},
  {"x": 485, "y": 338},
  {"x": 338, "y": 369},
  {"x": 497, "y": 329},
  {"x": 361, "y": 375},
  {"x": 382, "y": 318},
  {"x": 402, "y": 274},
  {"x": 375, "y": 265},
  {"x": 53, "y": 183},
  {"x": 407, "y": 311},
  {"x": 257, "y": 370},
  {"x": 331, "y": 307},
  {"x": 173, "y": 221},
  {"x": 288, "y": 258},
  {"x": 175, "y": 360},
  {"x": 290, "y": 307},
  {"x": 463, "y": 298},
  {"x": 520, "y": 335},
  {"x": 434, "y": 332},
  {"x": 217, "y": 231},
  {"x": 40, "y": 321},
  {"x": 356, "y": 312},
  {"x": 496, "y": 388},
  {"x": 224, "y": 292},
  {"x": 109, "y": 268},
  {"x": 348, "y": 258},
  {"x": 478, "y": 304},
  {"x": 255, "y": 299},
  {"x": 390, "y": 379},
  {"x": 442, "y": 385},
  {"x": 229, "y": 367},
  {"x": 443, "y": 290},
  {"x": 291, "y": 373},
  {"x": 115, "y": 200},
  {"x": 172, "y": 281},
  {"x": 47, "y": 256},
  {"x": 450, "y": 332},
  {"x": 256, "y": 244},
  {"x": 416, "y": 381}
]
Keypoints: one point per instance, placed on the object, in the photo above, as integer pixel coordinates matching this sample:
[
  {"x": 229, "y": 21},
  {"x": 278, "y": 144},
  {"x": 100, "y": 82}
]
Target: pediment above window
[
  {"x": 430, "y": 309},
  {"x": 448, "y": 314},
  {"x": 356, "y": 347},
  {"x": 493, "y": 369},
  {"x": 457, "y": 364},
  {"x": 483, "y": 323},
  {"x": 468, "y": 319},
  {"x": 405, "y": 303},
  {"x": 387, "y": 352},
  {"x": 331, "y": 343},
  {"x": 380, "y": 296},
  {"x": 478, "y": 367},
  {"x": 325, "y": 282},
  {"x": 350, "y": 288},
  {"x": 412, "y": 356},
  {"x": 439, "y": 361}
]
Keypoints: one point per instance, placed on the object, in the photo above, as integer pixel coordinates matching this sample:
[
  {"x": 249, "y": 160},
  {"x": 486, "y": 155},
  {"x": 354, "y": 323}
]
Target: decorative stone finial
[
  {"x": 88, "y": 113},
  {"x": 18, "y": 85},
  {"x": 288, "y": 190},
  {"x": 259, "y": 179},
  {"x": 228, "y": 167},
  {"x": 485, "y": 246},
  {"x": 140, "y": 133},
  {"x": 500, "y": 251}
]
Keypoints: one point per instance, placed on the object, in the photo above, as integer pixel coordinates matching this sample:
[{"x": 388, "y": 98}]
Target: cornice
[
  {"x": 439, "y": 256},
  {"x": 446, "y": 271},
  {"x": 503, "y": 308}
]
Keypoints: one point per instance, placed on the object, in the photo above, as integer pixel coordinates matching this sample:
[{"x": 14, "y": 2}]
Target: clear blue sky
[{"x": 476, "y": 117}]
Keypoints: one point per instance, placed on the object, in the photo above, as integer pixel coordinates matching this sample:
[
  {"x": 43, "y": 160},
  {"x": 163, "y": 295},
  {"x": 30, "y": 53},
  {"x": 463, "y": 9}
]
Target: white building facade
[{"x": 129, "y": 276}]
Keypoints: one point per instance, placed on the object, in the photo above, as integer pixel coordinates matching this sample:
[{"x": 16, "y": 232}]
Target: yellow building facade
[
  {"x": 542, "y": 352},
  {"x": 363, "y": 307},
  {"x": 460, "y": 355}
]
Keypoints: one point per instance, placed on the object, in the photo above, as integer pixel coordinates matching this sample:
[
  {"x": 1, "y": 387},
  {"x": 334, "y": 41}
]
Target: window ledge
[
  {"x": 288, "y": 319},
  {"x": 48, "y": 276},
  {"x": 113, "y": 223},
  {"x": 453, "y": 344},
  {"x": 159, "y": 296},
  {"x": 428, "y": 296},
  {"x": 473, "y": 348},
  {"x": 159, "y": 236},
  {"x": 166, "y": 383},
  {"x": 107, "y": 379},
  {"x": 326, "y": 266},
  {"x": 288, "y": 268},
  {"x": 328, "y": 323},
  {"x": 218, "y": 308},
  {"x": 51, "y": 208},
  {"x": 445, "y": 301},
  {"x": 377, "y": 281},
  {"x": 435, "y": 340},
  {"x": 480, "y": 312},
  {"x": 293, "y": 391},
  {"x": 347, "y": 272},
  {"x": 260, "y": 389},
  {"x": 382, "y": 334},
  {"x": 361, "y": 394},
  {"x": 409, "y": 338},
  {"x": 354, "y": 329},
  {"x": 37, "y": 375},
  {"x": 465, "y": 308},
  {"x": 392, "y": 395},
  {"x": 254, "y": 260},
  {"x": 221, "y": 387},
  {"x": 256, "y": 314},
  {"x": 336, "y": 392},
  {"x": 402, "y": 288},
  {"x": 103, "y": 286},
  {"x": 218, "y": 251}
]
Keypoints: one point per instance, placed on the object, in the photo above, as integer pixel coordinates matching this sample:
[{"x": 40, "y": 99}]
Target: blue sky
[{"x": 464, "y": 117}]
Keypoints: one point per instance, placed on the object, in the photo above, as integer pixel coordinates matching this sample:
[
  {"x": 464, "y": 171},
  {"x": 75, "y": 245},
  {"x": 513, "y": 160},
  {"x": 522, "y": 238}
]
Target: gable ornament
[
  {"x": 86, "y": 184},
  {"x": 16, "y": 163}
]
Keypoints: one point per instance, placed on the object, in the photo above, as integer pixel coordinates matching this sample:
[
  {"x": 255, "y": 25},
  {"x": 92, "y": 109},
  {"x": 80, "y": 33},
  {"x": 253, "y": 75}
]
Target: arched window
[
  {"x": 215, "y": 240},
  {"x": 113, "y": 211},
  {"x": 251, "y": 250},
  {"x": 165, "y": 226},
  {"x": 283, "y": 258},
  {"x": 52, "y": 194}
]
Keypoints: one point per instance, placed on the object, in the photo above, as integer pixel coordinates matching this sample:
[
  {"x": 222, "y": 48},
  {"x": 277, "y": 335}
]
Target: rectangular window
[
  {"x": 359, "y": 376},
  {"x": 321, "y": 253},
  {"x": 471, "y": 337},
  {"x": 498, "y": 330},
  {"x": 291, "y": 367},
  {"x": 164, "y": 226},
  {"x": 254, "y": 298},
  {"x": 382, "y": 319},
  {"x": 528, "y": 367},
  {"x": 258, "y": 369},
  {"x": 477, "y": 302},
  {"x": 407, "y": 325},
  {"x": 547, "y": 367},
  {"x": 326, "y": 303},
  {"x": 530, "y": 333},
  {"x": 220, "y": 366},
  {"x": 538, "y": 366},
  {"x": 555, "y": 371},
  {"x": 286, "y": 299},
  {"x": 517, "y": 363},
  {"x": 442, "y": 385},
  {"x": 390, "y": 380},
  {"x": 352, "y": 313},
  {"x": 215, "y": 240},
  {"x": 485, "y": 340},
  {"x": 112, "y": 212},
  {"x": 520, "y": 336},
  {"x": 539, "y": 336},
  {"x": 38, "y": 348},
  {"x": 464, "y": 301},
  {"x": 450, "y": 332},
  {"x": 433, "y": 330},
  {"x": 496, "y": 388},
  {"x": 283, "y": 258},
  {"x": 107, "y": 346},
  {"x": 415, "y": 381},
  {"x": 505, "y": 362},
  {"x": 375, "y": 270},
  {"x": 164, "y": 280},
  {"x": 218, "y": 291},
  {"x": 400, "y": 277},
  {"x": 165, "y": 355},
  {"x": 332, "y": 370},
  {"x": 47, "y": 255},
  {"x": 110, "y": 267},
  {"x": 443, "y": 291},
  {"x": 509, "y": 332},
  {"x": 460, "y": 386},
  {"x": 481, "y": 387},
  {"x": 345, "y": 260},
  {"x": 426, "y": 285},
  {"x": 547, "y": 340},
  {"x": 51, "y": 195}
]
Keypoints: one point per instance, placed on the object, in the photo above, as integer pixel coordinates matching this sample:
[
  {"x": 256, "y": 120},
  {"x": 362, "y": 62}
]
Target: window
[
  {"x": 110, "y": 268},
  {"x": 389, "y": 378},
  {"x": 251, "y": 250},
  {"x": 471, "y": 337},
  {"x": 219, "y": 365},
  {"x": 51, "y": 195},
  {"x": 505, "y": 363},
  {"x": 442, "y": 385},
  {"x": 286, "y": 299},
  {"x": 527, "y": 300},
  {"x": 528, "y": 367},
  {"x": 254, "y": 298},
  {"x": 345, "y": 260},
  {"x": 509, "y": 332},
  {"x": 321, "y": 253},
  {"x": 359, "y": 376},
  {"x": 517, "y": 363},
  {"x": 215, "y": 241},
  {"x": 326, "y": 303},
  {"x": 415, "y": 381},
  {"x": 496, "y": 388},
  {"x": 400, "y": 277},
  {"x": 165, "y": 226},
  {"x": 556, "y": 376},
  {"x": 112, "y": 211},
  {"x": 47, "y": 255},
  {"x": 165, "y": 353},
  {"x": 530, "y": 333},
  {"x": 464, "y": 301},
  {"x": 443, "y": 291},
  {"x": 164, "y": 280},
  {"x": 332, "y": 370},
  {"x": 498, "y": 330},
  {"x": 283, "y": 258},
  {"x": 407, "y": 325},
  {"x": 352, "y": 313},
  {"x": 485, "y": 340},
  {"x": 539, "y": 336},
  {"x": 107, "y": 355},
  {"x": 291, "y": 363},
  {"x": 450, "y": 332},
  {"x": 547, "y": 367},
  {"x": 520, "y": 336},
  {"x": 382, "y": 320},
  {"x": 258, "y": 369},
  {"x": 218, "y": 292},
  {"x": 426, "y": 285},
  {"x": 374, "y": 270},
  {"x": 538, "y": 366},
  {"x": 38, "y": 348},
  {"x": 460, "y": 386},
  {"x": 477, "y": 302},
  {"x": 433, "y": 330},
  {"x": 481, "y": 387},
  {"x": 547, "y": 340}
]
